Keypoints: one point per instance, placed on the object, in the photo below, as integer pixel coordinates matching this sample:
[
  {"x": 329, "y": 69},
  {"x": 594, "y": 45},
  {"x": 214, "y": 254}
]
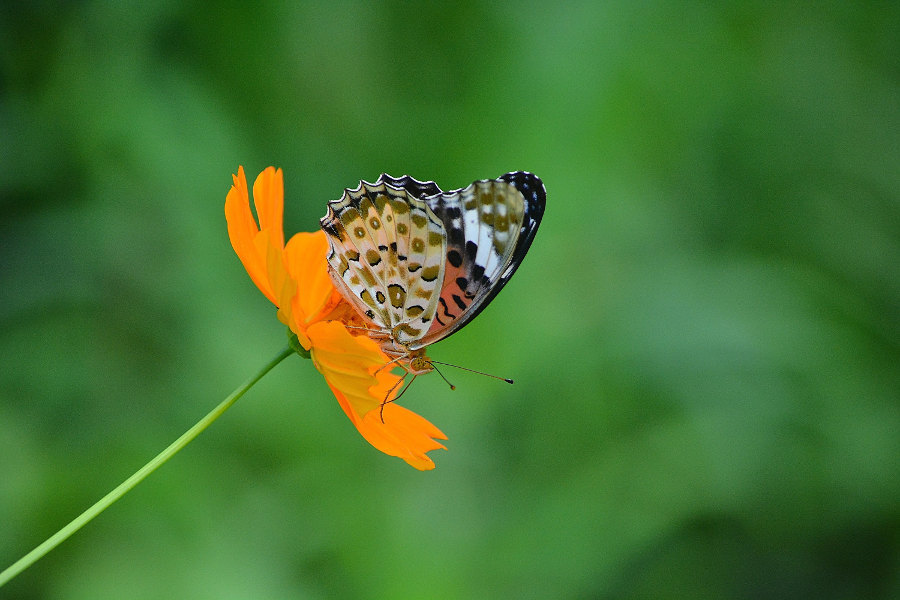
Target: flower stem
[{"x": 104, "y": 503}]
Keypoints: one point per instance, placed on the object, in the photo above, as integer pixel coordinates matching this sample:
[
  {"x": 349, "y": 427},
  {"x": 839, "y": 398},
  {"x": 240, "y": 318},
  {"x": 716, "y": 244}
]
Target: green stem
[{"x": 104, "y": 503}]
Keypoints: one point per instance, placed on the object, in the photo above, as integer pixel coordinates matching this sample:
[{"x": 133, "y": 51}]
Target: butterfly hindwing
[{"x": 490, "y": 224}]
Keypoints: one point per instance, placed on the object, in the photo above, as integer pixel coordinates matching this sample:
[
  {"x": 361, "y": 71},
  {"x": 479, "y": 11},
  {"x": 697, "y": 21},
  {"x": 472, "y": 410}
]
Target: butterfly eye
[{"x": 420, "y": 364}]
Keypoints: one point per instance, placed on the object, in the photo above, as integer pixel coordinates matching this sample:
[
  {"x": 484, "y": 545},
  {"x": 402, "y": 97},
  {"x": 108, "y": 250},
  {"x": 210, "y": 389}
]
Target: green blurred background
[{"x": 704, "y": 335}]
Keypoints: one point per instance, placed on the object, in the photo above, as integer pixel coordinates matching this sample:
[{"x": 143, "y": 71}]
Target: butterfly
[{"x": 419, "y": 263}]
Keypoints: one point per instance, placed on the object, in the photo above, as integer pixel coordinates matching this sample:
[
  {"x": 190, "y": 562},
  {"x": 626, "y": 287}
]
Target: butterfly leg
[
  {"x": 387, "y": 398},
  {"x": 394, "y": 361}
]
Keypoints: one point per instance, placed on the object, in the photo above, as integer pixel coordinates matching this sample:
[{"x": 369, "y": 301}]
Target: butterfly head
[{"x": 419, "y": 364}]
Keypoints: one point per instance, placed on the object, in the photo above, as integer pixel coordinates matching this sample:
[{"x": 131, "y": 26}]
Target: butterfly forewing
[{"x": 387, "y": 257}]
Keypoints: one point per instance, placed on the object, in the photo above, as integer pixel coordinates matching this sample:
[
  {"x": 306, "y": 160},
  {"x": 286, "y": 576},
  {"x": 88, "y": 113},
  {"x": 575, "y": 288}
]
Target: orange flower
[{"x": 295, "y": 278}]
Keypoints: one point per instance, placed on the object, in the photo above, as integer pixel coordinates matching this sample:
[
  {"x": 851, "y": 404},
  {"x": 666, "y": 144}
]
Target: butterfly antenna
[
  {"x": 452, "y": 387},
  {"x": 397, "y": 397},
  {"x": 434, "y": 362}
]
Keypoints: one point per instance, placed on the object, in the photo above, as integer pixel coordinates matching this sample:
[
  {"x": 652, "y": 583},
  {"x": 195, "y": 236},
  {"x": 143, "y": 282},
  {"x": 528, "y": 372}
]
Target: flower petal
[
  {"x": 403, "y": 433},
  {"x": 348, "y": 364},
  {"x": 304, "y": 259},
  {"x": 242, "y": 231},
  {"x": 260, "y": 251},
  {"x": 268, "y": 196}
]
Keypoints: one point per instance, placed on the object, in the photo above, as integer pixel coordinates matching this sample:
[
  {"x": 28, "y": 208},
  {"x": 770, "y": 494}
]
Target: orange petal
[
  {"x": 403, "y": 434},
  {"x": 348, "y": 364},
  {"x": 304, "y": 258},
  {"x": 260, "y": 251},
  {"x": 268, "y": 196},
  {"x": 242, "y": 231}
]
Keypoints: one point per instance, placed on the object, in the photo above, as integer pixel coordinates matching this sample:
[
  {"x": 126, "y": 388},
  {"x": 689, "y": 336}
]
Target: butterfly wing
[
  {"x": 387, "y": 254},
  {"x": 489, "y": 226}
]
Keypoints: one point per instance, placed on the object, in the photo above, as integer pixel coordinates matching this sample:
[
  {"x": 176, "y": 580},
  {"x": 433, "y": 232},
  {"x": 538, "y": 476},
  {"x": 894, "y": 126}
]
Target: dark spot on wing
[
  {"x": 373, "y": 258},
  {"x": 454, "y": 258},
  {"x": 447, "y": 314},
  {"x": 431, "y": 274},
  {"x": 471, "y": 250}
]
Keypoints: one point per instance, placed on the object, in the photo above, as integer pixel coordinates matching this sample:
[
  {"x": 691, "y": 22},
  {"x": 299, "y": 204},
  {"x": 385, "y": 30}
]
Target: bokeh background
[{"x": 704, "y": 335}]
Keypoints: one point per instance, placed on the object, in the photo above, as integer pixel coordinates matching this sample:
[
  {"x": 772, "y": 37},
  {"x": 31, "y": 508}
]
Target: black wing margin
[
  {"x": 532, "y": 188},
  {"x": 416, "y": 188}
]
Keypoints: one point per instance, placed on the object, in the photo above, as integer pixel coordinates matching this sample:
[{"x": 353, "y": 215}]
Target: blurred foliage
[{"x": 704, "y": 335}]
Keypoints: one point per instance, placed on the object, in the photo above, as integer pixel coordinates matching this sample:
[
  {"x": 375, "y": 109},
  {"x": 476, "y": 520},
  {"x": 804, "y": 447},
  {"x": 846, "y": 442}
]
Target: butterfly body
[{"x": 418, "y": 263}]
